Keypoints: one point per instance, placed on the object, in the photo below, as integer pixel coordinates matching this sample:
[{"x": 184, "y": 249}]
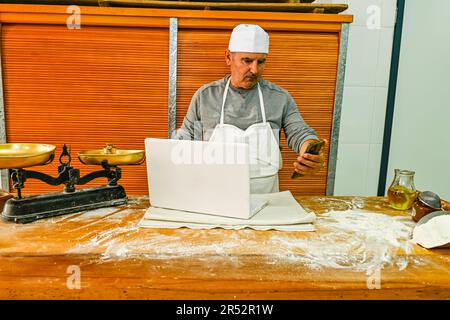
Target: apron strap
[
  {"x": 227, "y": 86},
  {"x": 261, "y": 102}
]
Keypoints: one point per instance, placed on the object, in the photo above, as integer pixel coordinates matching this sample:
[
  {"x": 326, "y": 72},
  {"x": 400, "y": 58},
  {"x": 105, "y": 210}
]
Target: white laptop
[{"x": 199, "y": 176}]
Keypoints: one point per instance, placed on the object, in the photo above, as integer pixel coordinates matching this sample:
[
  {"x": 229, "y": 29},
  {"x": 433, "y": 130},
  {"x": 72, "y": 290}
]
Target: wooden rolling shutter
[
  {"x": 85, "y": 87},
  {"x": 304, "y": 63},
  {"x": 108, "y": 81}
]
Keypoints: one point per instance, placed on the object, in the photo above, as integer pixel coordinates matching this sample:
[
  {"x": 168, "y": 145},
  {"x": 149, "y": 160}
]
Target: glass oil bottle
[{"x": 402, "y": 193}]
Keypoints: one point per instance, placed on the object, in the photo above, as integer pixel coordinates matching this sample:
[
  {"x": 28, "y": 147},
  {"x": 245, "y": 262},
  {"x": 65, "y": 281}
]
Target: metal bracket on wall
[
  {"x": 4, "y": 174},
  {"x": 173, "y": 56}
]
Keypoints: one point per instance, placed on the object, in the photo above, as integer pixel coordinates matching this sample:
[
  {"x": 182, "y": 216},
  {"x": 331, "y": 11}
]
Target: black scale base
[{"x": 29, "y": 209}]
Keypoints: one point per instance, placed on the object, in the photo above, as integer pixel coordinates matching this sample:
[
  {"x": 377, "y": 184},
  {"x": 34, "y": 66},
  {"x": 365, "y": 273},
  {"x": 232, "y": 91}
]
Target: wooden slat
[
  {"x": 85, "y": 87},
  {"x": 221, "y": 23},
  {"x": 55, "y": 2},
  {"x": 303, "y": 63},
  {"x": 13, "y": 13},
  {"x": 96, "y": 2}
]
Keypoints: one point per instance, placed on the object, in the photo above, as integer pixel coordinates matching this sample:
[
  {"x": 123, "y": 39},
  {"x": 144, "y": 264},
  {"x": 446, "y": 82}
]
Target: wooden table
[{"x": 115, "y": 259}]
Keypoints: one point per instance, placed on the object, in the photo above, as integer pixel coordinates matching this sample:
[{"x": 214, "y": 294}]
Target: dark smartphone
[{"x": 313, "y": 148}]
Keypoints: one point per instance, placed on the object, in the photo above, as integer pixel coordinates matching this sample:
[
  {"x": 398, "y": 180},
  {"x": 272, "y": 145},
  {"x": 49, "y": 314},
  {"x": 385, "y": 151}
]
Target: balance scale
[{"x": 17, "y": 156}]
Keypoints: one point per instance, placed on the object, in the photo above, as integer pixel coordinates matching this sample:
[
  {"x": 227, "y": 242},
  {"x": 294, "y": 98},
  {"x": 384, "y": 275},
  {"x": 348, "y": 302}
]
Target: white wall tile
[
  {"x": 379, "y": 114},
  {"x": 356, "y": 116},
  {"x": 384, "y": 57},
  {"x": 373, "y": 169},
  {"x": 351, "y": 171},
  {"x": 362, "y": 56},
  {"x": 358, "y": 8}
]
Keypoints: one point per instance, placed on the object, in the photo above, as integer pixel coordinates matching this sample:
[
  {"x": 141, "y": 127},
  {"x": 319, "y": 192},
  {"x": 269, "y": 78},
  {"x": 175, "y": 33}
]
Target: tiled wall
[
  {"x": 420, "y": 134},
  {"x": 365, "y": 95}
]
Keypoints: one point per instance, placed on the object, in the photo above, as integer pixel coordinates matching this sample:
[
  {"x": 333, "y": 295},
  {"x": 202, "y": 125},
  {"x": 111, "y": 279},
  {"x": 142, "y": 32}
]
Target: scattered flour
[
  {"x": 354, "y": 239},
  {"x": 95, "y": 213}
]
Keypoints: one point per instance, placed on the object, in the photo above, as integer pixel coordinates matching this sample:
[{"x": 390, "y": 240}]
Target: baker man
[{"x": 243, "y": 107}]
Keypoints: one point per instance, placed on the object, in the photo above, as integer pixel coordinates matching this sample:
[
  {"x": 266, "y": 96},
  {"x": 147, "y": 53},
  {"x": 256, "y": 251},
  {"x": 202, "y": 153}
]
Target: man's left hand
[{"x": 309, "y": 164}]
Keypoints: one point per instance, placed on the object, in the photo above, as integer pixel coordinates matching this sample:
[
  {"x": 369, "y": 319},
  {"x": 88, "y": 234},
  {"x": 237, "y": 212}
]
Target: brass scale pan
[{"x": 24, "y": 155}]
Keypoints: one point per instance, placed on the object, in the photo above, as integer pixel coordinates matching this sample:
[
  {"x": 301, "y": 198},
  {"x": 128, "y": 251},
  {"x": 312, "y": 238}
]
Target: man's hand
[
  {"x": 445, "y": 205},
  {"x": 308, "y": 164}
]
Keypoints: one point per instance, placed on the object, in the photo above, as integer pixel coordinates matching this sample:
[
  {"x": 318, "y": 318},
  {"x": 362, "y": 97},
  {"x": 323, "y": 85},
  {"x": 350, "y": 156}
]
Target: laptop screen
[{"x": 199, "y": 176}]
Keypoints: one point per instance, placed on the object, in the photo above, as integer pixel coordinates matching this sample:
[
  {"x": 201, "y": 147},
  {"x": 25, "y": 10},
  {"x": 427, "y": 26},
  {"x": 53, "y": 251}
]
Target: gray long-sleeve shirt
[{"x": 242, "y": 109}]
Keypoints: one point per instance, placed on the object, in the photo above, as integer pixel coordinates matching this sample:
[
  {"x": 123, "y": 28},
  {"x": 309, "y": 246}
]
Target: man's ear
[{"x": 228, "y": 57}]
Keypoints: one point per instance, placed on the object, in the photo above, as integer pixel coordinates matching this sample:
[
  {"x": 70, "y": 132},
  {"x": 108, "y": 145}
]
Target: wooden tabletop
[{"x": 361, "y": 250}]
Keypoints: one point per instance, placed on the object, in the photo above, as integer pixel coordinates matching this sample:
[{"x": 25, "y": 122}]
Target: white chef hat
[{"x": 249, "y": 38}]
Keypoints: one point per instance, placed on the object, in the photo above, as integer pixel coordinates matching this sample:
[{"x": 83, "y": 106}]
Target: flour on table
[
  {"x": 95, "y": 213},
  {"x": 355, "y": 239}
]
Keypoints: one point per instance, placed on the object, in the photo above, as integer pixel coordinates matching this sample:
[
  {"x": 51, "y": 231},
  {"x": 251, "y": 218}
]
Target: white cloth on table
[{"x": 282, "y": 213}]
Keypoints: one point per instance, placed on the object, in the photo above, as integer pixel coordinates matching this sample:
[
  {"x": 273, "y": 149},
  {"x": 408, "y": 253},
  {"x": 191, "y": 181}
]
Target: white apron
[{"x": 265, "y": 156}]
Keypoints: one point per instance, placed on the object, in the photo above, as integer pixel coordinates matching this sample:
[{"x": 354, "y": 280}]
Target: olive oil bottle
[{"x": 402, "y": 193}]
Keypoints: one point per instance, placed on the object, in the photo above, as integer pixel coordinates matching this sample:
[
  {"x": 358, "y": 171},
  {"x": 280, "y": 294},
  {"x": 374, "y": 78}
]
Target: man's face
[{"x": 246, "y": 68}]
